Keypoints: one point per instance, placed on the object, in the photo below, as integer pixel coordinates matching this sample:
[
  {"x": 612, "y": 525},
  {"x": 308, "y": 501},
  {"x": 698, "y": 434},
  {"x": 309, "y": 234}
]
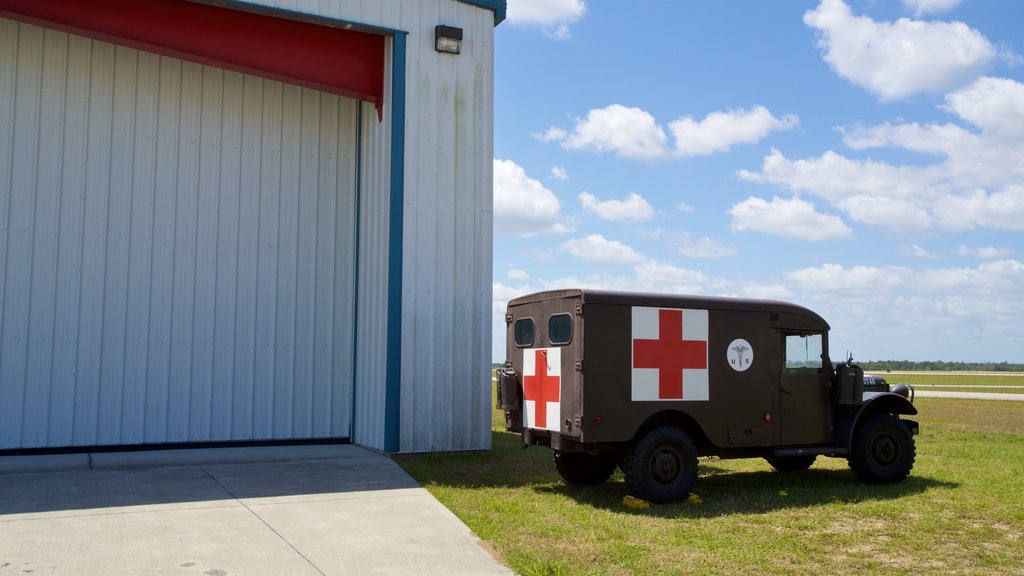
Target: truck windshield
[{"x": 803, "y": 351}]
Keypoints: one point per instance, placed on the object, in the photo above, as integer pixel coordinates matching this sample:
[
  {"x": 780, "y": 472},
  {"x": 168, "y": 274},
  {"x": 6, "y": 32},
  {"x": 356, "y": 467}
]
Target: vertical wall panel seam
[
  {"x": 130, "y": 228},
  {"x": 216, "y": 264},
  {"x": 256, "y": 272},
  {"x": 238, "y": 254},
  {"x": 59, "y": 193},
  {"x": 9, "y": 164},
  {"x": 358, "y": 218},
  {"x": 81, "y": 257},
  {"x": 152, "y": 255},
  {"x": 194, "y": 256},
  {"x": 32, "y": 238}
]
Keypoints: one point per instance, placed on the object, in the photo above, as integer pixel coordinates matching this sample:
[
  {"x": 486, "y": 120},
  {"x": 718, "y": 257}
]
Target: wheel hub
[
  {"x": 883, "y": 450},
  {"x": 665, "y": 466}
]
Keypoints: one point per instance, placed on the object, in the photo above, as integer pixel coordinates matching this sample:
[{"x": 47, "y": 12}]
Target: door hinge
[
  {"x": 579, "y": 365},
  {"x": 579, "y": 309}
]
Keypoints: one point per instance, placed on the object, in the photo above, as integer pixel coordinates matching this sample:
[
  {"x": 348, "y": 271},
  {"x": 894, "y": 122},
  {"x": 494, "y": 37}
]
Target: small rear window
[
  {"x": 524, "y": 332},
  {"x": 560, "y": 329}
]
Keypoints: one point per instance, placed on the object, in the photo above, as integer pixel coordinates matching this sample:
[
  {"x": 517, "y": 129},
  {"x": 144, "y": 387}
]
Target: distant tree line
[{"x": 940, "y": 366}]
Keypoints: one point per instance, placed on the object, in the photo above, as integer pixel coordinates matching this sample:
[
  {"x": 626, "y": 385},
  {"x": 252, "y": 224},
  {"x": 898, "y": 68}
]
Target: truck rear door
[{"x": 544, "y": 346}]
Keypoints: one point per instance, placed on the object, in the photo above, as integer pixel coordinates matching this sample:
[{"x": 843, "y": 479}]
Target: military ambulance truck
[{"x": 650, "y": 382}]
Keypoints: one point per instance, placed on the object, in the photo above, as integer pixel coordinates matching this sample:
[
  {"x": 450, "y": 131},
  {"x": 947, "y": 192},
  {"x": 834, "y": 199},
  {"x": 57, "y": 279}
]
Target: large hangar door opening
[{"x": 178, "y": 259}]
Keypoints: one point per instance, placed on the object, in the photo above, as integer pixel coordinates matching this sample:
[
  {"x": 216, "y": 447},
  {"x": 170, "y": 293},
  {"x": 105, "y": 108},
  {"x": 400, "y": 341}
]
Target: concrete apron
[{"x": 319, "y": 510}]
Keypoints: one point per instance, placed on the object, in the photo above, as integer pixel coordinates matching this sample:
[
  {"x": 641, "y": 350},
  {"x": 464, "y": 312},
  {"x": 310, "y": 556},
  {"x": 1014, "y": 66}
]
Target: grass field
[{"x": 960, "y": 512}]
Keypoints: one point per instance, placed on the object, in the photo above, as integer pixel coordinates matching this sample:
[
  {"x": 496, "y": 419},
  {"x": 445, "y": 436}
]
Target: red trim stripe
[{"x": 334, "y": 60}]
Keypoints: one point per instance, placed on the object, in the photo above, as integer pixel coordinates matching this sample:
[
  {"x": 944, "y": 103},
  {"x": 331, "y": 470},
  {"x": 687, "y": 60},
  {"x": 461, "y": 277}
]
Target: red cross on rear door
[
  {"x": 542, "y": 388},
  {"x": 670, "y": 354}
]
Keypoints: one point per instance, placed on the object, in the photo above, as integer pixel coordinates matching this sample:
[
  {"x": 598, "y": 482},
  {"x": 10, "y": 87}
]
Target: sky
[{"x": 864, "y": 159}]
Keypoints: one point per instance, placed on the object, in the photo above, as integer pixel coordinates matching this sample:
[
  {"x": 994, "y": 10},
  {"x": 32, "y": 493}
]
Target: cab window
[
  {"x": 524, "y": 332},
  {"x": 803, "y": 351},
  {"x": 560, "y": 329}
]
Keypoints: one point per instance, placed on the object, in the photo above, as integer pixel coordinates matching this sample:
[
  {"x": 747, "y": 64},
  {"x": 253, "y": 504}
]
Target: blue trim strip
[
  {"x": 497, "y": 6},
  {"x": 393, "y": 383}
]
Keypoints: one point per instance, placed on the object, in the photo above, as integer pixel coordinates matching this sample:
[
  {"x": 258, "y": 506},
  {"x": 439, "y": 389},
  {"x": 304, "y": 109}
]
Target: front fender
[{"x": 874, "y": 403}]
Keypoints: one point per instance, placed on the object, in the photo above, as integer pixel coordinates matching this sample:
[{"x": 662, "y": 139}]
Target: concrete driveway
[{"x": 319, "y": 510}]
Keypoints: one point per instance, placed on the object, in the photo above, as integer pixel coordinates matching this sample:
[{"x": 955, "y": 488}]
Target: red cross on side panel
[
  {"x": 541, "y": 388},
  {"x": 670, "y": 354}
]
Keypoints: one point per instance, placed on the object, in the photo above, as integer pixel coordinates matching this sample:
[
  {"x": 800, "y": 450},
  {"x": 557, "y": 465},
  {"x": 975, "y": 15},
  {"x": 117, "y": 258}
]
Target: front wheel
[
  {"x": 585, "y": 469},
  {"x": 661, "y": 466},
  {"x": 883, "y": 450}
]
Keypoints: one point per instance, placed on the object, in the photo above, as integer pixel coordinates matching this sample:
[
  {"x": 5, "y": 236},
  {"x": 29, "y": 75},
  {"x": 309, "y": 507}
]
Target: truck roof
[{"x": 672, "y": 301}]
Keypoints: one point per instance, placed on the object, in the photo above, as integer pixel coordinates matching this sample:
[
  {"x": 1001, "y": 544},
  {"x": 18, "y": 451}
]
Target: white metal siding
[
  {"x": 446, "y": 300},
  {"x": 177, "y": 249}
]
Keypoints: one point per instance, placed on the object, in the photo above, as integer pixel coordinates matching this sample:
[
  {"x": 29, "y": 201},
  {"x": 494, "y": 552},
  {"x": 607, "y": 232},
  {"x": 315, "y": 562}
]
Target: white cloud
[
  {"x": 538, "y": 255},
  {"x": 703, "y": 247},
  {"x": 794, "y": 218},
  {"x": 984, "y": 252},
  {"x": 628, "y": 132},
  {"x": 596, "y": 248},
  {"x": 922, "y": 7},
  {"x": 634, "y": 133},
  {"x": 719, "y": 131},
  {"x": 685, "y": 208},
  {"x": 974, "y": 181},
  {"x": 559, "y": 173},
  {"x": 874, "y": 310},
  {"x": 633, "y": 209},
  {"x": 897, "y": 59},
  {"x": 921, "y": 252},
  {"x": 554, "y": 16},
  {"x": 552, "y": 134},
  {"x": 522, "y": 205},
  {"x": 518, "y": 274},
  {"x": 649, "y": 276},
  {"x": 980, "y": 209},
  {"x": 996, "y": 105},
  {"x": 882, "y": 211}
]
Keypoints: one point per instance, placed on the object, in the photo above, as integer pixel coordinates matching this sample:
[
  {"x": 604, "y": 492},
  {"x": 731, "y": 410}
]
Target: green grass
[{"x": 960, "y": 512}]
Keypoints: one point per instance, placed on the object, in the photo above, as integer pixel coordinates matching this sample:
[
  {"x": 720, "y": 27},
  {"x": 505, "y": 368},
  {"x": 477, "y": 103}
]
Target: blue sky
[{"x": 862, "y": 158}]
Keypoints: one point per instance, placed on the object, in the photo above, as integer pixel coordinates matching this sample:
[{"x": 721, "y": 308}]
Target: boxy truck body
[{"x": 593, "y": 372}]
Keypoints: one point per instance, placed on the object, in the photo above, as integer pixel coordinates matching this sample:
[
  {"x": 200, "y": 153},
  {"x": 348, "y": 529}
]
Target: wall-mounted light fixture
[{"x": 447, "y": 39}]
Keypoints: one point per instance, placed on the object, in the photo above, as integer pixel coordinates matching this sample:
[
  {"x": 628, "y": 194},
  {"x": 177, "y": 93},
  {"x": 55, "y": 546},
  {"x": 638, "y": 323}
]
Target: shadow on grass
[{"x": 723, "y": 489}]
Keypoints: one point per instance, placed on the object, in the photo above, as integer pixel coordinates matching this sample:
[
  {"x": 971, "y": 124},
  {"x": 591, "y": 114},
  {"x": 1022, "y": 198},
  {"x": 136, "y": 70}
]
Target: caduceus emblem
[{"x": 739, "y": 350}]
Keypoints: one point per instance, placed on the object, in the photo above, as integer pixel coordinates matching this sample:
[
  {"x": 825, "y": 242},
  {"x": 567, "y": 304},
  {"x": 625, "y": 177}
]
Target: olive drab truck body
[{"x": 648, "y": 382}]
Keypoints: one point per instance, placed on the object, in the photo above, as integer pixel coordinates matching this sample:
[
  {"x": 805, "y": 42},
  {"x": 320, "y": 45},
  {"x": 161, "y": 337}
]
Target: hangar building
[{"x": 228, "y": 221}]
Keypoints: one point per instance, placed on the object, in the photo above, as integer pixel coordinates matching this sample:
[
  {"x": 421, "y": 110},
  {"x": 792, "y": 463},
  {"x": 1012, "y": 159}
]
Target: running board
[{"x": 810, "y": 451}]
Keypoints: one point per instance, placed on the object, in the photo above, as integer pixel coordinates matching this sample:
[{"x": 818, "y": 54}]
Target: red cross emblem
[
  {"x": 670, "y": 354},
  {"x": 543, "y": 385}
]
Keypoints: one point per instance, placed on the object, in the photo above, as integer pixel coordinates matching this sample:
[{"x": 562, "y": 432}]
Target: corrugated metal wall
[
  {"x": 447, "y": 239},
  {"x": 177, "y": 249}
]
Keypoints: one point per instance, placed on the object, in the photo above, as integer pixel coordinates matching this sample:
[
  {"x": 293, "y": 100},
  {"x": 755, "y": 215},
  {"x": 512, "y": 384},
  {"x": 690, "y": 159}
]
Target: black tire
[
  {"x": 661, "y": 466},
  {"x": 883, "y": 450},
  {"x": 585, "y": 469},
  {"x": 791, "y": 463}
]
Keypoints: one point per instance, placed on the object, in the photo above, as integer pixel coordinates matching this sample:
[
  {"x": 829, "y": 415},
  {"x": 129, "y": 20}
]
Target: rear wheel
[
  {"x": 583, "y": 468},
  {"x": 883, "y": 450},
  {"x": 661, "y": 466},
  {"x": 791, "y": 463}
]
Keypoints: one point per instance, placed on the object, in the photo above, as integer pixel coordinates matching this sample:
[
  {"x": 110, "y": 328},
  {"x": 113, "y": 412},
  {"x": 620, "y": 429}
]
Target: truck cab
[{"x": 649, "y": 382}]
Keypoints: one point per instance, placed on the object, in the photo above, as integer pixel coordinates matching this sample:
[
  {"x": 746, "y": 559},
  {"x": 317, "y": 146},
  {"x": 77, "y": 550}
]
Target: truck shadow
[
  {"x": 723, "y": 489},
  {"x": 724, "y": 492}
]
